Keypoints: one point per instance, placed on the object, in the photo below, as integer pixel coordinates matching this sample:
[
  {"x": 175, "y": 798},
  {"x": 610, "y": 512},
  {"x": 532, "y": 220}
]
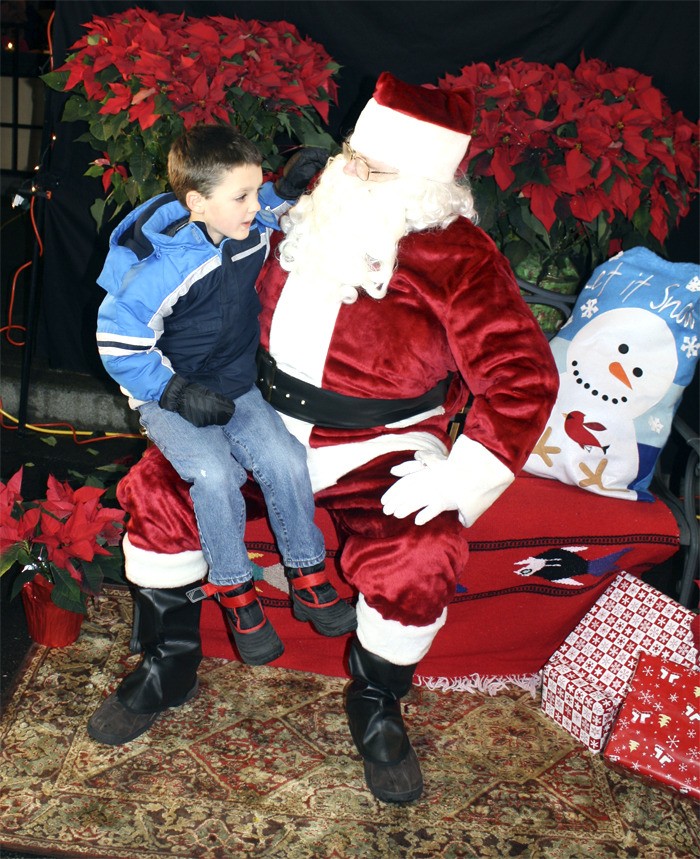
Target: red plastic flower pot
[{"x": 48, "y": 623}]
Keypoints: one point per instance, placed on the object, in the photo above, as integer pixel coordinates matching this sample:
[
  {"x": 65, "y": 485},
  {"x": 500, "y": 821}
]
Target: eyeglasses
[{"x": 362, "y": 168}]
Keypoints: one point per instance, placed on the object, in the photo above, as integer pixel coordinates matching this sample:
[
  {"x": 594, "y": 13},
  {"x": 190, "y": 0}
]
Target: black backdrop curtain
[{"x": 418, "y": 41}]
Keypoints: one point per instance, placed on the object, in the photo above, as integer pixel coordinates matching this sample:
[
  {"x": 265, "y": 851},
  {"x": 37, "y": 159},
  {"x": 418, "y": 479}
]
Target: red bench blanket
[{"x": 539, "y": 559}]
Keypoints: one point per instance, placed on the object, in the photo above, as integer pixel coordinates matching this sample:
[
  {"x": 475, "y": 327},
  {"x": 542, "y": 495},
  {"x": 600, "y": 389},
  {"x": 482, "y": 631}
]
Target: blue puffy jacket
[{"x": 176, "y": 303}]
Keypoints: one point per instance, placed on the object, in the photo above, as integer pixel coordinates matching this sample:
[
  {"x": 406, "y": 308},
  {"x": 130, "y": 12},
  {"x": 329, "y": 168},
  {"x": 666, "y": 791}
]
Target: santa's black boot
[
  {"x": 256, "y": 640},
  {"x": 315, "y": 599},
  {"x": 168, "y": 632},
  {"x": 372, "y": 703}
]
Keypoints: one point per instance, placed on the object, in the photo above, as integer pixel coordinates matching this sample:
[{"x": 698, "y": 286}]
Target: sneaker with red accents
[
  {"x": 255, "y": 637},
  {"x": 315, "y": 599}
]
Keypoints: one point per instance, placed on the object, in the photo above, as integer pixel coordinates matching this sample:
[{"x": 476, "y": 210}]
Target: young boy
[{"x": 179, "y": 332}]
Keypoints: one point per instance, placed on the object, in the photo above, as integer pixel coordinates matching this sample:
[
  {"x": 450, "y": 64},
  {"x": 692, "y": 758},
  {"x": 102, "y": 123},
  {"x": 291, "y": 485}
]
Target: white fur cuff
[
  {"x": 398, "y": 644},
  {"x": 159, "y": 570},
  {"x": 482, "y": 478}
]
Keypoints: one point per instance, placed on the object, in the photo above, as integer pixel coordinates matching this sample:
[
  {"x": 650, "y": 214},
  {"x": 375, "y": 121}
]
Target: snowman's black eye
[
  {"x": 638, "y": 372},
  {"x": 623, "y": 348}
]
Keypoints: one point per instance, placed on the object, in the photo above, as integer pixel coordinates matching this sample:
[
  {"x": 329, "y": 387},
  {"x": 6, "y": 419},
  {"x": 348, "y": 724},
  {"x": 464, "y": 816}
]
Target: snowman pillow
[{"x": 624, "y": 359}]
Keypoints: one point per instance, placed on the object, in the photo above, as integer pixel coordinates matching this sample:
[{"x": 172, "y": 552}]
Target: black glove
[
  {"x": 195, "y": 403},
  {"x": 300, "y": 170}
]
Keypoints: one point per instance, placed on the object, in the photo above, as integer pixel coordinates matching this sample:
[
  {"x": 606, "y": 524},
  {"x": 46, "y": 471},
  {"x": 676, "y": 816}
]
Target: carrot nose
[{"x": 618, "y": 371}]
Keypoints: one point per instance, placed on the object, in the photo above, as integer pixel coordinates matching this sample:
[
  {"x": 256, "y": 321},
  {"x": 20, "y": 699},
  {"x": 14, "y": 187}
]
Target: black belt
[{"x": 327, "y": 409}]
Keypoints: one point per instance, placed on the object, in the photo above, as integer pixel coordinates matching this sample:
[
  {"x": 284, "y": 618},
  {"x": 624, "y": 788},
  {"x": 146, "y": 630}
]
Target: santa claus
[{"x": 385, "y": 309}]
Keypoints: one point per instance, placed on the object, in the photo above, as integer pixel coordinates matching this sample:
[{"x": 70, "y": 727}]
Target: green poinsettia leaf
[
  {"x": 24, "y": 576},
  {"x": 94, "y": 480},
  {"x": 93, "y": 578},
  {"x": 642, "y": 220},
  {"x": 99, "y": 132},
  {"x": 55, "y": 80},
  {"x": 316, "y": 137},
  {"x": 66, "y": 592},
  {"x": 113, "y": 468},
  {"x": 103, "y": 567},
  {"x": 97, "y": 210},
  {"x": 534, "y": 224},
  {"x": 74, "y": 109},
  {"x": 141, "y": 167},
  {"x": 16, "y": 554},
  {"x": 113, "y": 126}
]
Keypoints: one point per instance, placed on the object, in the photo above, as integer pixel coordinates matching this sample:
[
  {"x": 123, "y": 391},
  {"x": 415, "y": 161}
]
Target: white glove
[
  {"x": 468, "y": 480},
  {"x": 425, "y": 485}
]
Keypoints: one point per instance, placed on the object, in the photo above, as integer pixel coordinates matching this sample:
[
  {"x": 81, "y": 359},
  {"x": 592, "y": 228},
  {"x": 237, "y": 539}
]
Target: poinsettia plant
[
  {"x": 570, "y": 166},
  {"x": 69, "y": 538},
  {"x": 139, "y": 78}
]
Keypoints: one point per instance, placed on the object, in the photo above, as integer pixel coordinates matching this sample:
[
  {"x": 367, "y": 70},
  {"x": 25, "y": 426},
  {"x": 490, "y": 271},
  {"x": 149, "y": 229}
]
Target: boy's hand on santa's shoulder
[
  {"x": 300, "y": 170},
  {"x": 196, "y": 403}
]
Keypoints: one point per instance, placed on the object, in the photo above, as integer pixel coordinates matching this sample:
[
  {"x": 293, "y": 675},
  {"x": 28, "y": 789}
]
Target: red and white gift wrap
[
  {"x": 586, "y": 679},
  {"x": 657, "y": 731}
]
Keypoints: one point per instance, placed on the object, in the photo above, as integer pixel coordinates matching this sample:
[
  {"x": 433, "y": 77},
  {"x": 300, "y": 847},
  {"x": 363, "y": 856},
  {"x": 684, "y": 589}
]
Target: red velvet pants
[{"x": 406, "y": 572}]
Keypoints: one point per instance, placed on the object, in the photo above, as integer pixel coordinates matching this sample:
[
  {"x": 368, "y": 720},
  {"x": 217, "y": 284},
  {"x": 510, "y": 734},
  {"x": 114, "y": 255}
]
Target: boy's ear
[{"x": 194, "y": 202}]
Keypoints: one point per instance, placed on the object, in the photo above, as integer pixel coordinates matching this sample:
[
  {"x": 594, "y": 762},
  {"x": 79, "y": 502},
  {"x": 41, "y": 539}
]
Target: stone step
[{"x": 77, "y": 399}]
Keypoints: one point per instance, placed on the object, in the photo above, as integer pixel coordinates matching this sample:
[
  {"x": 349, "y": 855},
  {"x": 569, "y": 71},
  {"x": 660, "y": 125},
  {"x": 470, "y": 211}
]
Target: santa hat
[{"x": 422, "y": 131}]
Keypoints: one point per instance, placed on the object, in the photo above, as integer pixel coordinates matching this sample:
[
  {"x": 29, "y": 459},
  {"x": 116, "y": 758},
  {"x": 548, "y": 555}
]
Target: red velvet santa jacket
[{"x": 452, "y": 307}]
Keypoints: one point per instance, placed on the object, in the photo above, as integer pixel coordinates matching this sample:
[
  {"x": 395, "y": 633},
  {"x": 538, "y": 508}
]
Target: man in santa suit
[{"x": 384, "y": 310}]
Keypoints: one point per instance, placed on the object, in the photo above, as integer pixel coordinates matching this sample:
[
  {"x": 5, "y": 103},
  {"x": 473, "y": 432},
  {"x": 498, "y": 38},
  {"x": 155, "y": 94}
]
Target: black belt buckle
[{"x": 267, "y": 368}]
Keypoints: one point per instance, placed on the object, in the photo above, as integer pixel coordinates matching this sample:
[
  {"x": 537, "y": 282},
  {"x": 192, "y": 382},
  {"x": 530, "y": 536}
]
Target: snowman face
[{"x": 623, "y": 360}]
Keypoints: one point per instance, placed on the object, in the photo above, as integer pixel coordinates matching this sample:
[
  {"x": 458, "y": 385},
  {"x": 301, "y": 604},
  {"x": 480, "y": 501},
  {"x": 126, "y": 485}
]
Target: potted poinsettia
[
  {"x": 570, "y": 166},
  {"x": 63, "y": 547},
  {"x": 139, "y": 78}
]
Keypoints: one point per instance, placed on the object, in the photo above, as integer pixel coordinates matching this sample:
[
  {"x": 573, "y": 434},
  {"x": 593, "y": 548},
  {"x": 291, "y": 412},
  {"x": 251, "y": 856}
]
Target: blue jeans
[{"x": 215, "y": 461}]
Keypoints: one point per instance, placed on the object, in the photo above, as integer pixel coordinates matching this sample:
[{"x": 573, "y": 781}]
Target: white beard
[{"x": 343, "y": 236}]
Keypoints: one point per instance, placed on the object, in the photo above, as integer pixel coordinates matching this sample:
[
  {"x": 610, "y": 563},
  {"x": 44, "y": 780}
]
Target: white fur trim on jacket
[
  {"x": 399, "y": 644},
  {"x": 159, "y": 570}
]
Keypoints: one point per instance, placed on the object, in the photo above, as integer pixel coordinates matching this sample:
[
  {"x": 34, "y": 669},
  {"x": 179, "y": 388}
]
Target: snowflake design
[
  {"x": 673, "y": 742},
  {"x": 682, "y": 767},
  {"x": 658, "y": 706},
  {"x": 694, "y": 753},
  {"x": 693, "y": 284},
  {"x": 646, "y": 697},
  {"x": 590, "y": 308},
  {"x": 673, "y": 697},
  {"x": 648, "y": 670},
  {"x": 691, "y": 346},
  {"x": 655, "y": 425}
]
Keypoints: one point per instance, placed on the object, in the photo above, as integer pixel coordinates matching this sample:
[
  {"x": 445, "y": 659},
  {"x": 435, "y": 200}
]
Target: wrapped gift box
[
  {"x": 587, "y": 678},
  {"x": 656, "y": 731}
]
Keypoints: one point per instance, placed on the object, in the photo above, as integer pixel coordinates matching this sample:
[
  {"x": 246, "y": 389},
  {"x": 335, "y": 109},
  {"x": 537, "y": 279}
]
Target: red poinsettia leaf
[
  {"x": 587, "y": 205},
  {"x": 85, "y": 494},
  {"x": 200, "y": 30},
  {"x": 651, "y": 100},
  {"x": 502, "y": 171},
  {"x": 578, "y": 169},
  {"x": 10, "y": 491}
]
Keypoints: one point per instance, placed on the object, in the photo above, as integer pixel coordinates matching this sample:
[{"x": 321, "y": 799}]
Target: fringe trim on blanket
[{"x": 478, "y": 683}]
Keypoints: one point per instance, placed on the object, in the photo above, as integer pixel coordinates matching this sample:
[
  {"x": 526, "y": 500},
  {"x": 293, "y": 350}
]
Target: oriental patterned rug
[{"x": 261, "y": 764}]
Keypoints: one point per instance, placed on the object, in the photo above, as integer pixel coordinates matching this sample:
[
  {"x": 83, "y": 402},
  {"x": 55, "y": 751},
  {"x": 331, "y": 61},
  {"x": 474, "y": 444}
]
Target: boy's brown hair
[{"x": 199, "y": 157}]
